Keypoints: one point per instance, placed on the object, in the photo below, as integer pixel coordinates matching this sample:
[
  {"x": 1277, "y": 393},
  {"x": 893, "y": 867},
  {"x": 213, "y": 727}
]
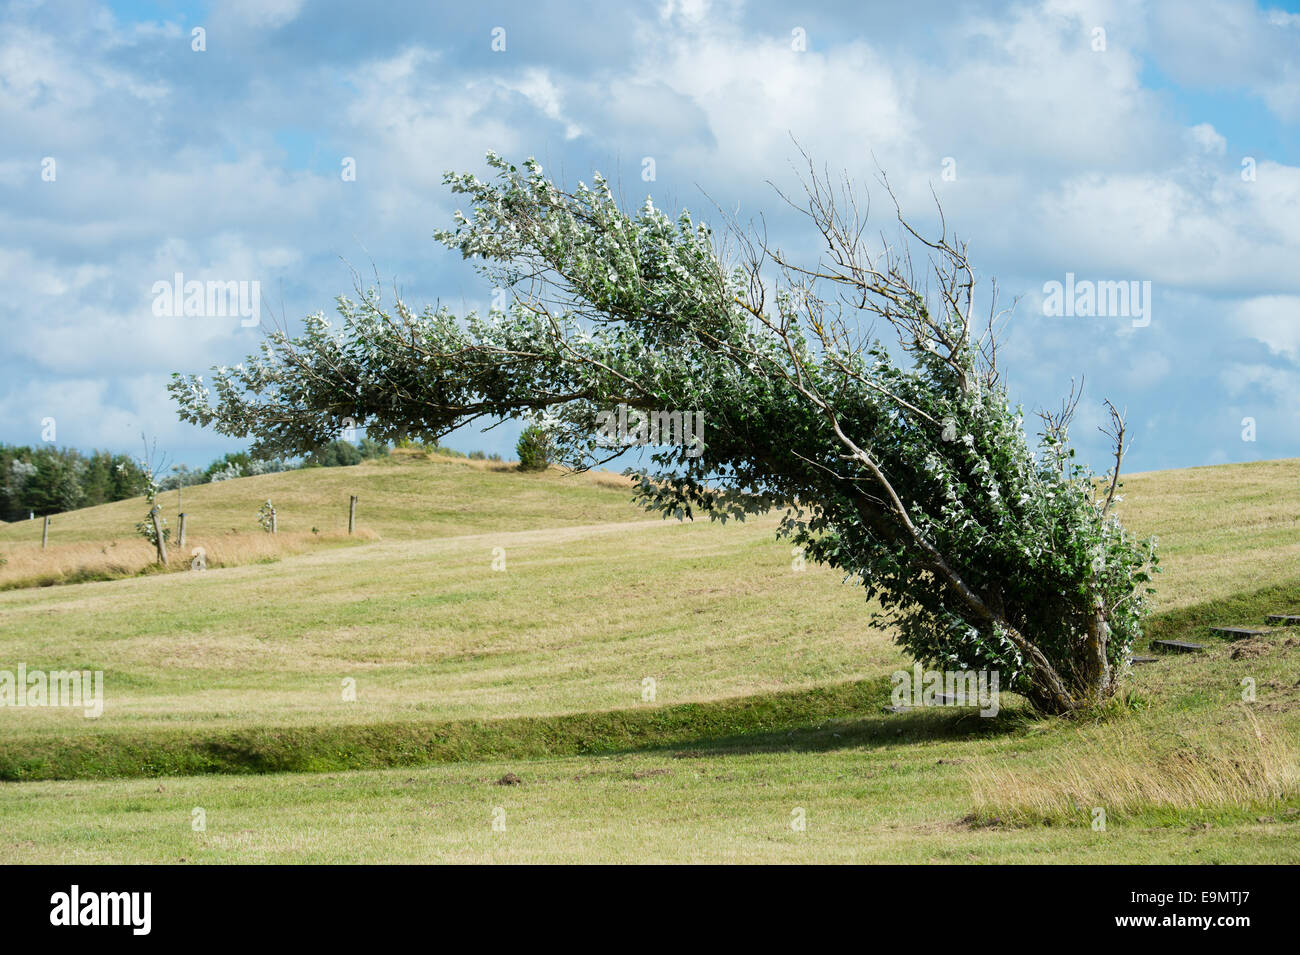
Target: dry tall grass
[
  {"x": 28, "y": 565},
  {"x": 1129, "y": 768}
]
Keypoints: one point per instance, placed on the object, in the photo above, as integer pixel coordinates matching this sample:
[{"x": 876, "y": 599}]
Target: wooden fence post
[
  {"x": 158, "y": 535},
  {"x": 45, "y": 532},
  {"x": 274, "y": 528},
  {"x": 181, "y": 541},
  {"x": 352, "y": 514}
]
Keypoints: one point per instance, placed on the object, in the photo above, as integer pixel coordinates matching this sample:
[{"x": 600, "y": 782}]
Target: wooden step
[
  {"x": 1176, "y": 646},
  {"x": 1237, "y": 633},
  {"x": 940, "y": 699},
  {"x": 1283, "y": 619}
]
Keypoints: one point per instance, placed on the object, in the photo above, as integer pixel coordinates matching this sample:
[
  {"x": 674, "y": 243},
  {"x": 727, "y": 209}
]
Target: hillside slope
[
  {"x": 1222, "y": 530},
  {"x": 404, "y": 497},
  {"x": 501, "y": 620},
  {"x": 661, "y": 691}
]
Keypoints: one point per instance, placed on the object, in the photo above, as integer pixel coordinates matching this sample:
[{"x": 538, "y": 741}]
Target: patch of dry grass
[
  {"x": 29, "y": 565},
  {"x": 1132, "y": 767}
]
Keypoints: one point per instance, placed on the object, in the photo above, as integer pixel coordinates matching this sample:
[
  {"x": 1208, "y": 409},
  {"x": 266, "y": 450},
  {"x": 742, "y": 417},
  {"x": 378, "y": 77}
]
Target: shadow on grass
[
  {"x": 820, "y": 718},
  {"x": 891, "y": 729}
]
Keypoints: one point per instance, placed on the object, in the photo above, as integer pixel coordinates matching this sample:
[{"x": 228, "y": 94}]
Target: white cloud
[
  {"x": 269, "y": 14},
  {"x": 1208, "y": 139},
  {"x": 1190, "y": 229},
  {"x": 1231, "y": 44},
  {"x": 1273, "y": 320},
  {"x": 1250, "y": 379},
  {"x": 754, "y": 93},
  {"x": 414, "y": 120},
  {"x": 536, "y": 85}
]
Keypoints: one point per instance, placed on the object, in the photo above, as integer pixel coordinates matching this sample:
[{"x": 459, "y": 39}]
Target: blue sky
[{"x": 1120, "y": 160}]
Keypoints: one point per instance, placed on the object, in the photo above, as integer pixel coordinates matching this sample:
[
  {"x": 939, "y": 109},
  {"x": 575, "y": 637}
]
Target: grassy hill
[
  {"x": 1223, "y": 530},
  {"x": 408, "y": 496},
  {"x": 769, "y": 685}
]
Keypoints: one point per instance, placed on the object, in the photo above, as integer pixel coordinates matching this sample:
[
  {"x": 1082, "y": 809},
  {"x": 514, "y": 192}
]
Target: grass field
[{"x": 769, "y": 685}]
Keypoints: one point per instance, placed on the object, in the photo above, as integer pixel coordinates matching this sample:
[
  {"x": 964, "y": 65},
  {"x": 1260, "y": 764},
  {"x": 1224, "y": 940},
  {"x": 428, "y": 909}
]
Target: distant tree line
[
  {"x": 35, "y": 481},
  {"x": 48, "y": 480}
]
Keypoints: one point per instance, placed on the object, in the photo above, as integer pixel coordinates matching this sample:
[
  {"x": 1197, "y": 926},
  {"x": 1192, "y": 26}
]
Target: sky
[{"x": 286, "y": 142}]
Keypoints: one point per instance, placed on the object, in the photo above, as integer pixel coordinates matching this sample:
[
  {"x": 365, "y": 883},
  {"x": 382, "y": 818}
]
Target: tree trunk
[{"x": 1099, "y": 669}]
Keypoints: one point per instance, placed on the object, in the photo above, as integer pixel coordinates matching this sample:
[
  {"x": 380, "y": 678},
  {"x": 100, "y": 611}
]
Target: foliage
[
  {"x": 182, "y": 475},
  {"x": 338, "y": 453},
  {"x": 266, "y": 516},
  {"x": 269, "y": 466},
  {"x": 371, "y": 449},
  {"x": 48, "y": 480},
  {"x": 150, "y": 466},
  {"x": 232, "y": 464},
  {"x": 535, "y": 448},
  {"x": 901, "y": 464}
]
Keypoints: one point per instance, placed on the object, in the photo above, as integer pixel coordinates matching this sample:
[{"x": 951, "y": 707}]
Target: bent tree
[{"x": 900, "y": 463}]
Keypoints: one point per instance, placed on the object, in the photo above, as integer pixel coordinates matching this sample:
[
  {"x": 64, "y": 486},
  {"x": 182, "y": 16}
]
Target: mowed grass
[
  {"x": 737, "y": 736},
  {"x": 578, "y": 620},
  {"x": 1223, "y": 530},
  {"x": 860, "y": 799}
]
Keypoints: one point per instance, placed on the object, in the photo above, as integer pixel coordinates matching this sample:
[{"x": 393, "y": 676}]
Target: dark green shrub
[{"x": 536, "y": 450}]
